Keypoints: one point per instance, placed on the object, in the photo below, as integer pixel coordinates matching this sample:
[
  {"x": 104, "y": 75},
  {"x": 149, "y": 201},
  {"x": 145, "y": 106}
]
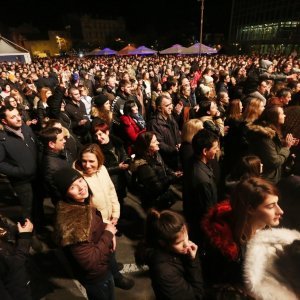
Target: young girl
[{"x": 174, "y": 266}]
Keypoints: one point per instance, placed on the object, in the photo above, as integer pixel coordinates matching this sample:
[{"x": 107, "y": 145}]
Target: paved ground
[{"x": 51, "y": 278}]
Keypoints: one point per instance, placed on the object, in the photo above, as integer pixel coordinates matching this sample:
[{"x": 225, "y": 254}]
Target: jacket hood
[
  {"x": 216, "y": 227},
  {"x": 265, "y": 64},
  {"x": 271, "y": 267},
  {"x": 73, "y": 223},
  {"x": 263, "y": 130},
  {"x": 137, "y": 163}
]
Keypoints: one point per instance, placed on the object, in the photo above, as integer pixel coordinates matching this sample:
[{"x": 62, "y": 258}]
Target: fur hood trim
[
  {"x": 263, "y": 130},
  {"x": 73, "y": 223},
  {"x": 264, "y": 278},
  {"x": 216, "y": 227},
  {"x": 137, "y": 163}
]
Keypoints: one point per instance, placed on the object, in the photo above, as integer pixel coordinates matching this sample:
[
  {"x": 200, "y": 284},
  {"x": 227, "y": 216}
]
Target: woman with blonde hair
[
  {"x": 190, "y": 128},
  {"x": 253, "y": 109}
]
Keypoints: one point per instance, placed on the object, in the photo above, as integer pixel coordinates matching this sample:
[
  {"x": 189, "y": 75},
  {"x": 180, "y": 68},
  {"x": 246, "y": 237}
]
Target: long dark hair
[
  {"x": 161, "y": 231},
  {"x": 270, "y": 118},
  {"x": 142, "y": 144}
]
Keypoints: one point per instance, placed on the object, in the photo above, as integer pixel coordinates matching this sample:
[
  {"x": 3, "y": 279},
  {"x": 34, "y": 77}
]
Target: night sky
[{"x": 152, "y": 19}]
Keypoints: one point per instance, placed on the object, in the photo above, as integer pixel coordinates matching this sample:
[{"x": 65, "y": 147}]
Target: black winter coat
[
  {"x": 168, "y": 135},
  {"x": 18, "y": 157},
  {"x": 14, "y": 279},
  {"x": 175, "y": 276},
  {"x": 51, "y": 163},
  {"x": 199, "y": 191}
]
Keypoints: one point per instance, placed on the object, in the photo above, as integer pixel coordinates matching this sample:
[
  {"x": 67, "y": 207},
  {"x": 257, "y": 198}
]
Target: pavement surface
[{"x": 51, "y": 277}]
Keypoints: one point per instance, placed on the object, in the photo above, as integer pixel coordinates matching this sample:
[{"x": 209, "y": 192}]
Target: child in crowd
[{"x": 172, "y": 258}]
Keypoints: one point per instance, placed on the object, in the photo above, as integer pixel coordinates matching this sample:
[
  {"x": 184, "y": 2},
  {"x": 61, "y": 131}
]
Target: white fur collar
[{"x": 263, "y": 278}]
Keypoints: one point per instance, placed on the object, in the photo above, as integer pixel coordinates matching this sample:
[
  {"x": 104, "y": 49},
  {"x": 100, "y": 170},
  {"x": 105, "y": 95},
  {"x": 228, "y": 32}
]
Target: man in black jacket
[
  {"x": 199, "y": 186},
  {"x": 18, "y": 156},
  {"x": 166, "y": 131},
  {"x": 55, "y": 157}
]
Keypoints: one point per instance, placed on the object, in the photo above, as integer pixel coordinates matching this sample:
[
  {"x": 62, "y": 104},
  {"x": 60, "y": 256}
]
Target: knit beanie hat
[
  {"x": 64, "y": 178},
  {"x": 100, "y": 99}
]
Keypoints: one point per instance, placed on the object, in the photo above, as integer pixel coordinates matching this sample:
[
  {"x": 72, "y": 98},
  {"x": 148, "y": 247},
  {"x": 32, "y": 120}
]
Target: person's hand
[
  {"x": 192, "y": 249},
  {"x": 289, "y": 140},
  {"x": 114, "y": 244},
  {"x": 178, "y": 147},
  {"x": 82, "y": 122},
  {"x": 292, "y": 76},
  {"x": 123, "y": 166},
  {"x": 27, "y": 227},
  {"x": 114, "y": 221},
  {"x": 178, "y": 173},
  {"x": 196, "y": 107},
  {"x": 178, "y": 108},
  {"x": 226, "y": 129},
  {"x": 111, "y": 228}
]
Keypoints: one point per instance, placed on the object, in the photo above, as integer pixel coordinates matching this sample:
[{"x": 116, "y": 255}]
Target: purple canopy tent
[{"x": 142, "y": 50}]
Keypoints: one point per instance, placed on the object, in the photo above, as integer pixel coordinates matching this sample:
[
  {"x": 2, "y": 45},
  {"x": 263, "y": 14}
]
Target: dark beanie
[
  {"x": 64, "y": 178},
  {"x": 100, "y": 99}
]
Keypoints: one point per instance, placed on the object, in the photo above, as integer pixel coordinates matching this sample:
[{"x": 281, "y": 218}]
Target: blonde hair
[{"x": 190, "y": 128}]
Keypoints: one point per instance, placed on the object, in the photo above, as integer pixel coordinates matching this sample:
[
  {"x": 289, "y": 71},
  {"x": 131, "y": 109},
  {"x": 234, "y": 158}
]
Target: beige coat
[{"x": 104, "y": 198}]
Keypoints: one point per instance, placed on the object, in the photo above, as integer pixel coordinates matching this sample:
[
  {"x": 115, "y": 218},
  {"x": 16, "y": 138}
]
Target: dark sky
[{"x": 156, "y": 17}]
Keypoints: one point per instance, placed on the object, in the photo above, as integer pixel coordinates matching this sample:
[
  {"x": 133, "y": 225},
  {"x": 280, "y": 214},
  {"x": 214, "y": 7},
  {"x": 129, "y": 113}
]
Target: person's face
[
  {"x": 281, "y": 115},
  {"x": 166, "y": 107},
  {"x": 75, "y": 94},
  {"x": 211, "y": 153},
  {"x": 263, "y": 87},
  {"x": 90, "y": 163},
  {"x": 154, "y": 145},
  {"x": 13, "y": 102},
  {"x": 266, "y": 214},
  {"x": 48, "y": 94},
  {"x": 213, "y": 109},
  {"x": 102, "y": 137},
  {"x": 134, "y": 109},
  {"x": 225, "y": 98},
  {"x": 13, "y": 119},
  {"x": 285, "y": 100},
  {"x": 181, "y": 243},
  {"x": 59, "y": 144},
  {"x": 106, "y": 106},
  {"x": 78, "y": 191},
  {"x": 127, "y": 89}
]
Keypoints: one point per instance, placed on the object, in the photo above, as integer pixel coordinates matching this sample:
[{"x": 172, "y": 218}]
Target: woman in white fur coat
[{"x": 272, "y": 265}]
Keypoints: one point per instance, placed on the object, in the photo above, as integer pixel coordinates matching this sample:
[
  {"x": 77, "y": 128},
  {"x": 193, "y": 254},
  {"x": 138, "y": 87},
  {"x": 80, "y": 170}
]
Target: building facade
[
  {"x": 265, "y": 26},
  {"x": 99, "y": 31}
]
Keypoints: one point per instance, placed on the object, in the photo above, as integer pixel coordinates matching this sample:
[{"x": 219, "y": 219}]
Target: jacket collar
[{"x": 216, "y": 227}]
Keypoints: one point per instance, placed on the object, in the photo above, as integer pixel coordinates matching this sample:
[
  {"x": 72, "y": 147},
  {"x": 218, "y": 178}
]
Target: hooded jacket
[
  {"x": 265, "y": 143},
  {"x": 223, "y": 257},
  {"x": 272, "y": 268},
  {"x": 81, "y": 232}
]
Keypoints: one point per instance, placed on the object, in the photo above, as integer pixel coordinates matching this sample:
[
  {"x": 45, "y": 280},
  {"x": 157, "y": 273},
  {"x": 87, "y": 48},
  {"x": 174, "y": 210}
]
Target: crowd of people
[{"x": 222, "y": 130}]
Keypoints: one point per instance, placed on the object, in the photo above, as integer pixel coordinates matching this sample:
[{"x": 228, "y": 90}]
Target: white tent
[
  {"x": 197, "y": 49},
  {"x": 175, "y": 49},
  {"x": 9, "y": 51}
]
